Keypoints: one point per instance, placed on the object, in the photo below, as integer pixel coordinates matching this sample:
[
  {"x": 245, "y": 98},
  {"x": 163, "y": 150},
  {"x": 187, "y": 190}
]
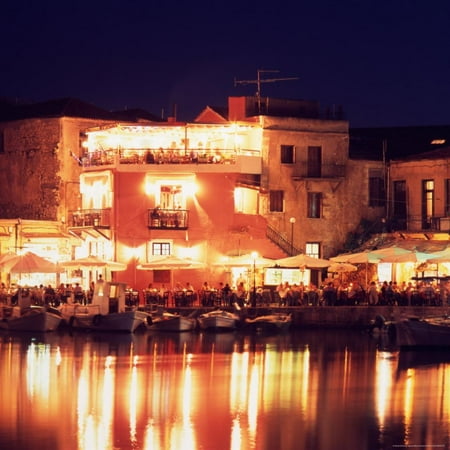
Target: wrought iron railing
[
  {"x": 168, "y": 219},
  {"x": 158, "y": 156},
  {"x": 90, "y": 218},
  {"x": 278, "y": 239},
  {"x": 419, "y": 223}
]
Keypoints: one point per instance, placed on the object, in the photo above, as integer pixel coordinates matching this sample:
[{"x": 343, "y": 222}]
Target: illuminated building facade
[
  {"x": 249, "y": 179},
  {"x": 263, "y": 175}
]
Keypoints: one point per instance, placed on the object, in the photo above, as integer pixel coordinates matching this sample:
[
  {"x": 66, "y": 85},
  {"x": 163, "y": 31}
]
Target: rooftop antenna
[{"x": 260, "y": 80}]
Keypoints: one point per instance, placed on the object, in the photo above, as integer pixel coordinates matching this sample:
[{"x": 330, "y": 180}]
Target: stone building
[
  {"x": 273, "y": 176},
  {"x": 39, "y": 144},
  {"x": 420, "y": 194},
  {"x": 275, "y": 181}
]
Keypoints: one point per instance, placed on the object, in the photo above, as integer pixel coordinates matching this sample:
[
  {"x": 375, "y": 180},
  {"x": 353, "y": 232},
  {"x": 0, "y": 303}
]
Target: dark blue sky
[{"x": 386, "y": 62}]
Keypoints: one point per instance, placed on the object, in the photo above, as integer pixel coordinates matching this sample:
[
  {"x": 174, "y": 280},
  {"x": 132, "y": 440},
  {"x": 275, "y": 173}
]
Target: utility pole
[{"x": 259, "y": 80}]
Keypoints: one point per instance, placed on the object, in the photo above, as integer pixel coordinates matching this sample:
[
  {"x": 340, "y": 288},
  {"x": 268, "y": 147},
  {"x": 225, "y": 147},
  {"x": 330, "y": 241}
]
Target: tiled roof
[
  {"x": 68, "y": 107},
  {"x": 396, "y": 142},
  {"x": 441, "y": 153}
]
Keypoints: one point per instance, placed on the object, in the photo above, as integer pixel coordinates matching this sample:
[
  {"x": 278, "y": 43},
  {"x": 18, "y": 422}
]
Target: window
[
  {"x": 399, "y": 204},
  {"x": 314, "y": 205},
  {"x": 313, "y": 249},
  {"x": 245, "y": 200},
  {"x": 427, "y": 203},
  {"x": 96, "y": 189},
  {"x": 287, "y": 154},
  {"x": 377, "y": 193},
  {"x": 171, "y": 197},
  {"x": 160, "y": 248},
  {"x": 314, "y": 166},
  {"x": 276, "y": 201}
]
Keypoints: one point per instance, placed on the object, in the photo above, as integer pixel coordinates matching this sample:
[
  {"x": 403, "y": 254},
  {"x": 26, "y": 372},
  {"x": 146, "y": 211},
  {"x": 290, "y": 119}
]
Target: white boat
[
  {"x": 167, "y": 321},
  {"x": 430, "y": 332},
  {"x": 31, "y": 318},
  {"x": 276, "y": 322},
  {"x": 107, "y": 312},
  {"x": 218, "y": 320}
]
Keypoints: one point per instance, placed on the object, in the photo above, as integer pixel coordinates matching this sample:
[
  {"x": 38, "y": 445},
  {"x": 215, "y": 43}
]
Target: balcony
[
  {"x": 440, "y": 224},
  {"x": 192, "y": 160},
  {"x": 417, "y": 223},
  {"x": 83, "y": 218},
  {"x": 168, "y": 219},
  {"x": 325, "y": 171}
]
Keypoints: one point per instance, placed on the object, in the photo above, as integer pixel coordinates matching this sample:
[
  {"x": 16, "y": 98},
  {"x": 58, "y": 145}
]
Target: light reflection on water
[{"x": 301, "y": 390}]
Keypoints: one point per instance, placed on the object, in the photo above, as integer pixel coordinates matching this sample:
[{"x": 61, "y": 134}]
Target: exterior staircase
[{"x": 281, "y": 242}]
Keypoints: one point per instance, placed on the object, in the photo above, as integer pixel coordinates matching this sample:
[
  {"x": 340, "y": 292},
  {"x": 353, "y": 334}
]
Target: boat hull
[
  {"x": 172, "y": 322},
  {"x": 413, "y": 333},
  {"x": 36, "y": 319},
  {"x": 218, "y": 321},
  {"x": 274, "y": 323},
  {"x": 125, "y": 322}
]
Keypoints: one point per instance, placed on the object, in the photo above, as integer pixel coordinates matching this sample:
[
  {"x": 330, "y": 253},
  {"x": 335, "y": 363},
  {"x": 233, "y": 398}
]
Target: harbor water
[{"x": 304, "y": 389}]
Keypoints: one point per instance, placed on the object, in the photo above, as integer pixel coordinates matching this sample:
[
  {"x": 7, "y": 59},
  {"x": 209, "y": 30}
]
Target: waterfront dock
[{"x": 356, "y": 317}]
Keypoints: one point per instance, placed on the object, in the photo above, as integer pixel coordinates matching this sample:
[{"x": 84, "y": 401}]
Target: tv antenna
[{"x": 260, "y": 80}]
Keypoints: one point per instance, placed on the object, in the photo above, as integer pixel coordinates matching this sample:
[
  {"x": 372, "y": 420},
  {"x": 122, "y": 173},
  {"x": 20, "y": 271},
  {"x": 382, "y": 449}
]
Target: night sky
[{"x": 386, "y": 62}]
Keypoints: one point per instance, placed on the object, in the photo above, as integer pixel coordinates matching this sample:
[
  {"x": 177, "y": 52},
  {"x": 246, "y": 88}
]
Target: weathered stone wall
[
  {"x": 343, "y": 184},
  {"x": 39, "y": 167},
  {"x": 29, "y": 169}
]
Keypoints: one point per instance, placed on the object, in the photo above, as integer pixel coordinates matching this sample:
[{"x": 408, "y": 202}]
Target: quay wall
[{"x": 359, "y": 316}]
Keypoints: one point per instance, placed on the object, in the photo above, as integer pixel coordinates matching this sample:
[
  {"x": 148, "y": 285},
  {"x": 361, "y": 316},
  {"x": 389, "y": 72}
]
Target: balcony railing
[
  {"x": 419, "y": 223},
  {"x": 158, "y": 156},
  {"x": 90, "y": 218},
  {"x": 168, "y": 219},
  {"x": 324, "y": 171}
]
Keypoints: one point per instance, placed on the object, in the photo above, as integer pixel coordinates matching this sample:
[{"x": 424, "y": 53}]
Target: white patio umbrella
[
  {"x": 29, "y": 263},
  {"x": 389, "y": 254},
  {"x": 439, "y": 257},
  {"x": 365, "y": 257},
  {"x": 93, "y": 262},
  {"x": 245, "y": 261},
  {"x": 342, "y": 267},
  {"x": 414, "y": 257},
  {"x": 303, "y": 261},
  {"x": 171, "y": 263}
]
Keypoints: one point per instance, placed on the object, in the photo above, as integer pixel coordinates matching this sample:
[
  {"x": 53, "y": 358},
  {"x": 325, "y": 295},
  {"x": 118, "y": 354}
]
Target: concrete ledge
[{"x": 334, "y": 316}]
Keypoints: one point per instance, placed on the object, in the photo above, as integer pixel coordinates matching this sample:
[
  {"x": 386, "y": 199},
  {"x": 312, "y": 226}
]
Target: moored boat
[
  {"x": 107, "y": 312},
  {"x": 430, "y": 332},
  {"x": 218, "y": 320},
  {"x": 32, "y": 318},
  {"x": 276, "y": 322},
  {"x": 167, "y": 321}
]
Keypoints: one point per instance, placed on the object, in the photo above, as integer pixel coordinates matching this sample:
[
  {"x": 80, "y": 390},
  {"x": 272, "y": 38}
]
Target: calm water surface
[{"x": 302, "y": 390}]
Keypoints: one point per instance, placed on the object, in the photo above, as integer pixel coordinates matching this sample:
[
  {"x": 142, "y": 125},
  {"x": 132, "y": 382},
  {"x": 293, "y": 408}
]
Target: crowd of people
[
  {"x": 331, "y": 293},
  {"x": 338, "y": 293},
  {"x": 47, "y": 295},
  {"x": 207, "y": 295}
]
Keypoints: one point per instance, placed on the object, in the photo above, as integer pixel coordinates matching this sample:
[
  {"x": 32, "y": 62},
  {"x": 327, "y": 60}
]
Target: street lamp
[
  {"x": 253, "y": 296},
  {"x": 292, "y": 221}
]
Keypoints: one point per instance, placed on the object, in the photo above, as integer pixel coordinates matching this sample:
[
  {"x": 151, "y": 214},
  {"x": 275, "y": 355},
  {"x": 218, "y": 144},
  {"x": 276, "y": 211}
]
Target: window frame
[
  {"x": 287, "y": 154},
  {"x": 276, "y": 204},
  {"x": 314, "y": 205}
]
